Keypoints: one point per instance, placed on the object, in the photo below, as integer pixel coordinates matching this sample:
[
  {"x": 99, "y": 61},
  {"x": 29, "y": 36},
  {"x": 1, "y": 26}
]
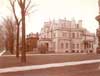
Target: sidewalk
[
  {"x": 44, "y": 66},
  {"x": 1, "y": 53}
]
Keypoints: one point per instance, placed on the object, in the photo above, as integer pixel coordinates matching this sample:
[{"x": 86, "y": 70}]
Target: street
[
  {"x": 1, "y": 53},
  {"x": 78, "y": 70}
]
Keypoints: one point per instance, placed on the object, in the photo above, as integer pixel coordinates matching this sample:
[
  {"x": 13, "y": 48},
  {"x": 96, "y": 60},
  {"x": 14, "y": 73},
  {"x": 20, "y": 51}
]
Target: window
[
  {"x": 66, "y": 51},
  {"x": 73, "y": 51},
  {"x": 92, "y": 45},
  {"x": 64, "y": 34},
  {"x": 77, "y": 46},
  {"x": 82, "y": 51},
  {"x": 66, "y": 45},
  {"x": 91, "y": 51},
  {"x": 73, "y": 46},
  {"x": 77, "y": 25},
  {"x": 54, "y": 35},
  {"x": 63, "y": 25},
  {"x": 73, "y": 35},
  {"x": 54, "y": 45},
  {"x": 89, "y": 45},
  {"x": 47, "y": 45},
  {"x": 77, "y": 51},
  {"x": 62, "y": 45},
  {"x": 78, "y": 35}
]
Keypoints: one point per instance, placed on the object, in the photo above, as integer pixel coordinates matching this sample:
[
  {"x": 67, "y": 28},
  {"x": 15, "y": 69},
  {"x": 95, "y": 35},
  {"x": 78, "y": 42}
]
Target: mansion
[{"x": 64, "y": 36}]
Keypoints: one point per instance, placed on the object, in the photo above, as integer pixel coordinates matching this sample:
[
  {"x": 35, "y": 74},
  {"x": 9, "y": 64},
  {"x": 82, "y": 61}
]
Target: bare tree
[
  {"x": 12, "y": 3},
  {"x": 2, "y": 39},
  {"x": 25, "y": 7},
  {"x": 10, "y": 30}
]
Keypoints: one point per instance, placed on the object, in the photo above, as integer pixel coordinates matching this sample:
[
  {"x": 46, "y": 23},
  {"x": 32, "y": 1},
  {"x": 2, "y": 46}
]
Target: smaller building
[
  {"x": 32, "y": 41},
  {"x": 89, "y": 41}
]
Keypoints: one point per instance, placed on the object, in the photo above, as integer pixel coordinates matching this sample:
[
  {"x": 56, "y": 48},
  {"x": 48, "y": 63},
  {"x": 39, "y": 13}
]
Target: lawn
[{"x": 10, "y": 61}]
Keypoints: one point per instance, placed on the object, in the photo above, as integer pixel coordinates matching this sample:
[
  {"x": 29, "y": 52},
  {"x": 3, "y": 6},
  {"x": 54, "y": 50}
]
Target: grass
[{"x": 11, "y": 61}]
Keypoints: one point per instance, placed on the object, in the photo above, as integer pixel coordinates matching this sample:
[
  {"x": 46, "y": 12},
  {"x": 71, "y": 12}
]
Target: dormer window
[{"x": 77, "y": 25}]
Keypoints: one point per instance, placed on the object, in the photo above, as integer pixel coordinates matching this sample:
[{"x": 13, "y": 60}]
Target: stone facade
[{"x": 67, "y": 36}]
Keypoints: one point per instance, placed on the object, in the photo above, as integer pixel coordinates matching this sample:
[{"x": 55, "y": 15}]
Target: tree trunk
[
  {"x": 12, "y": 45},
  {"x": 23, "y": 56},
  {"x": 17, "y": 42}
]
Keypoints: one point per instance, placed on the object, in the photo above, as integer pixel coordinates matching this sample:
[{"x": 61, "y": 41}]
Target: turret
[{"x": 79, "y": 24}]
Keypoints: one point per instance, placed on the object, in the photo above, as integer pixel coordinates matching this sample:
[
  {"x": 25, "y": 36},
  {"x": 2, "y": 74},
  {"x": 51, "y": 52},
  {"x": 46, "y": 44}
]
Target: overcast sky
[{"x": 85, "y": 10}]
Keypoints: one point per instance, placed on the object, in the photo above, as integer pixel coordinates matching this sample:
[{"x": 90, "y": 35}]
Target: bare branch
[
  {"x": 24, "y": 2},
  {"x": 12, "y": 3},
  {"x": 28, "y": 5},
  {"x": 14, "y": 13},
  {"x": 28, "y": 13},
  {"x": 19, "y": 21},
  {"x": 20, "y": 3}
]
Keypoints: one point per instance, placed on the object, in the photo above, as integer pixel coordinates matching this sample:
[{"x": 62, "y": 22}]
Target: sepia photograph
[{"x": 49, "y": 37}]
